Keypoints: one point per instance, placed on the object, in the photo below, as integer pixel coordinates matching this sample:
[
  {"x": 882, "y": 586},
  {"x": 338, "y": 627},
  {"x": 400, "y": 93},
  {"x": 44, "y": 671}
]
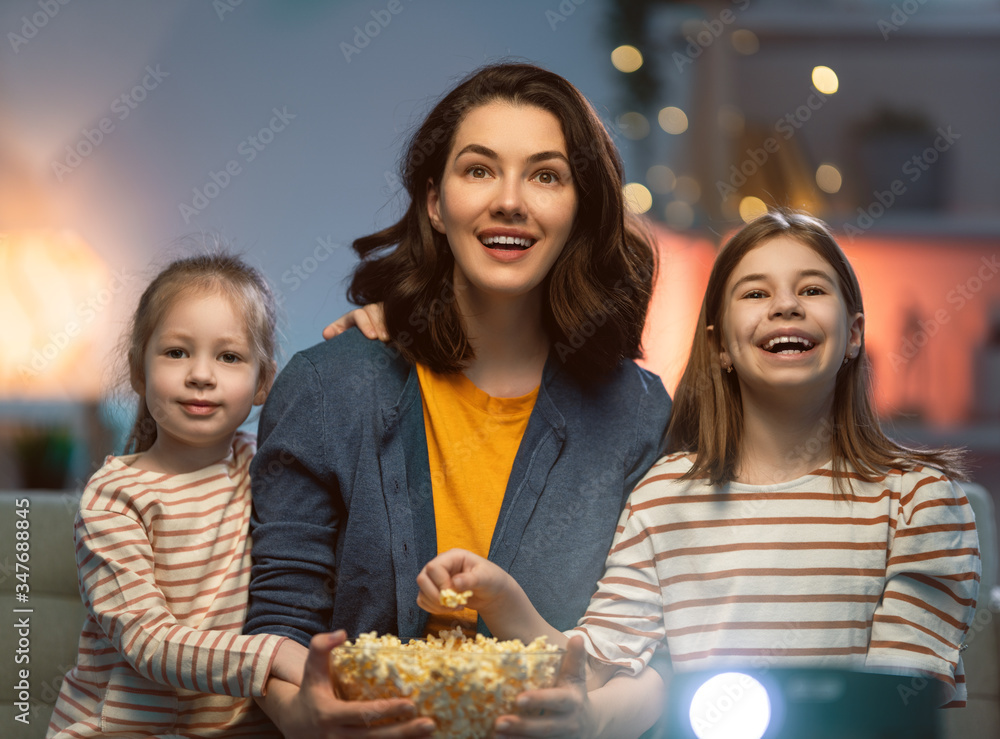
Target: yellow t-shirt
[{"x": 472, "y": 439}]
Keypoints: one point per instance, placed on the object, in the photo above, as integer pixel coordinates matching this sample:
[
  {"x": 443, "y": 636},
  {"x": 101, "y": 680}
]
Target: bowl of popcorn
[{"x": 463, "y": 684}]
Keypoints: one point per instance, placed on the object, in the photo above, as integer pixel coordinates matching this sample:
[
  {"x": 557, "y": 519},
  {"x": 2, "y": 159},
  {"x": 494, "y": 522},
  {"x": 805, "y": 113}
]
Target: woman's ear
[{"x": 434, "y": 206}]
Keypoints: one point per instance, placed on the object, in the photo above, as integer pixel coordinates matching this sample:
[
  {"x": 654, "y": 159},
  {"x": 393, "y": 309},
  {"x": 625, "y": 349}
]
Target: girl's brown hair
[
  {"x": 220, "y": 273},
  {"x": 707, "y": 415},
  {"x": 598, "y": 290}
]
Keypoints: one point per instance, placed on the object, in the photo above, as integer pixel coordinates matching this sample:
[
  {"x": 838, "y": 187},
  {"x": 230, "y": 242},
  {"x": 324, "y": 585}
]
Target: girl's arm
[
  {"x": 370, "y": 320},
  {"x": 931, "y": 582},
  {"x": 115, "y": 570}
]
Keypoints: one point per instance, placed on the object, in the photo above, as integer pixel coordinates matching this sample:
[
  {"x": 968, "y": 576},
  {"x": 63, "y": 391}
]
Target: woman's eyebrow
[{"x": 488, "y": 152}]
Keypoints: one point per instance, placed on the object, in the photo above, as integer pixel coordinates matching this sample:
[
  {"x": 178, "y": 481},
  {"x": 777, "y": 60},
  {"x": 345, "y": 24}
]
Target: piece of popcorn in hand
[{"x": 451, "y": 599}]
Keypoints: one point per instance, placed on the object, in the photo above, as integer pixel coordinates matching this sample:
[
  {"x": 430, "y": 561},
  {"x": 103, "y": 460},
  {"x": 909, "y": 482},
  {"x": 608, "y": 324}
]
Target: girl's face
[
  {"x": 506, "y": 200},
  {"x": 201, "y": 377},
  {"x": 785, "y": 324}
]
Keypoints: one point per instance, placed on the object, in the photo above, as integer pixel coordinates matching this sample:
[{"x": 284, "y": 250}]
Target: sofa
[{"x": 57, "y": 615}]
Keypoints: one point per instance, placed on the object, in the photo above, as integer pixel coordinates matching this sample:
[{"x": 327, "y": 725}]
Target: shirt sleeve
[
  {"x": 623, "y": 624},
  {"x": 115, "y": 570},
  {"x": 932, "y": 580},
  {"x": 295, "y": 520}
]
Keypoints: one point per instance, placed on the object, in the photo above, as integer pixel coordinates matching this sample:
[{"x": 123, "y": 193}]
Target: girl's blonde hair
[
  {"x": 707, "y": 415},
  {"x": 221, "y": 273}
]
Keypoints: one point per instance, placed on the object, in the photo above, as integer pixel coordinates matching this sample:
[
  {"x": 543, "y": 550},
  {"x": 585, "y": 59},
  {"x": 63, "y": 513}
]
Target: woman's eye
[
  {"x": 478, "y": 173},
  {"x": 547, "y": 178}
]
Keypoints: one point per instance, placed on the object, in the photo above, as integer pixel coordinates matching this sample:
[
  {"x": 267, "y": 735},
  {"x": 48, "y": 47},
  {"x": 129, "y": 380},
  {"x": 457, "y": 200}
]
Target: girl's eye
[
  {"x": 230, "y": 358},
  {"x": 175, "y": 353},
  {"x": 809, "y": 291},
  {"x": 755, "y": 294}
]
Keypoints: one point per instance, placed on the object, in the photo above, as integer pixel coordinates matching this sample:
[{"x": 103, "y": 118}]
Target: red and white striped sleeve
[
  {"x": 116, "y": 574},
  {"x": 932, "y": 580},
  {"x": 623, "y": 624}
]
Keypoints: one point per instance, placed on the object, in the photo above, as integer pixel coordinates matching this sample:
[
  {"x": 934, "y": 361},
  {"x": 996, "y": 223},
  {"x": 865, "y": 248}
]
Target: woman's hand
[
  {"x": 463, "y": 571},
  {"x": 370, "y": 320},
  {"x": 562, "y": 711},
  {"x": 315, "y": 711}
]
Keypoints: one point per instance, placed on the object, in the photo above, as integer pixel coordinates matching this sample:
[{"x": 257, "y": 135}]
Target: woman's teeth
[
  {"x": 786, "y": 345},
  {"x": 507, "y": 242}
]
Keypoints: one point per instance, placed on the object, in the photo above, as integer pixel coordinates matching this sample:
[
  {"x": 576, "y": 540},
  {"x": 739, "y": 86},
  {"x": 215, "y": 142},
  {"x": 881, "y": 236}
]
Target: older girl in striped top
[
  {"x": 162, "y": 534},
  {"x": 783, "y": 528}
]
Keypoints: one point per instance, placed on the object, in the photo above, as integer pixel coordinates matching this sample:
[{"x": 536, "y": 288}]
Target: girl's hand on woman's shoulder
[{"x": 370, "y": 320}]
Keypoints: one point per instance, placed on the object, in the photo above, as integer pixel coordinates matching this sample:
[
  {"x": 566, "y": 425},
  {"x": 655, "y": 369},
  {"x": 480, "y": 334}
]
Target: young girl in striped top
[
  {"x": 783, "y": 528},
  {"x": 162, "y": 534}
]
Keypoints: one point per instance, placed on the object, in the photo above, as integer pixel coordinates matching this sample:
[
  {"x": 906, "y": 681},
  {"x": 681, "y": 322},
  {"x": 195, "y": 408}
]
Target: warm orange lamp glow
[{"x": 54, "y": 292}]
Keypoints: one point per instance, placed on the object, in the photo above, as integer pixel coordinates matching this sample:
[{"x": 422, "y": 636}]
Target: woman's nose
[{"x": 509, "y": 200}]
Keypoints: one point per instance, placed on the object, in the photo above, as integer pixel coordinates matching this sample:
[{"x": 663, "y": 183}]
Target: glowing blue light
[{"x": 730, "y": 706}]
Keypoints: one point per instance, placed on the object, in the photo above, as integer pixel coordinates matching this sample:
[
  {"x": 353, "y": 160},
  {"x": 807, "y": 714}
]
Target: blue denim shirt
[{"x": 343, "y": 516}]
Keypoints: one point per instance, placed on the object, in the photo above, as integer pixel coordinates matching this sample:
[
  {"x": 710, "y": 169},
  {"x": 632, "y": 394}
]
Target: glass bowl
[{"x": 463, "y": 685}]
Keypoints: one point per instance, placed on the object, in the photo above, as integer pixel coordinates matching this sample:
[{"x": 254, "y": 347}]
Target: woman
[{"x": 504, "y": 416}]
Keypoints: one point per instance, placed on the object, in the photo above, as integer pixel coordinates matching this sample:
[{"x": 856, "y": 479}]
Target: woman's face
[{"x": 506, "y": 200}]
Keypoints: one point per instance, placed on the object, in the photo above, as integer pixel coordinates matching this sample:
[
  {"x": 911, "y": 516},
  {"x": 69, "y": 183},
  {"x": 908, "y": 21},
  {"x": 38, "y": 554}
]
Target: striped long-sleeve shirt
[
  {"x": 881, "y": 576},
  {"x": 164, "y": 564}
]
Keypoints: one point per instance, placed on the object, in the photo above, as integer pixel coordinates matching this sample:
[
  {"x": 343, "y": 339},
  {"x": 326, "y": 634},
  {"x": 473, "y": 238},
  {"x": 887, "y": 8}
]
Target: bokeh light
[
  {"x": 626, "y": 58},
  {"x": 687, "y": 189},
  {"x": 752, "y": 207},
  {"x": 660, "y": 179},
  {"x": 679, "y": 215},
  {"x": 825, "y": 80},
  {"x": 633, "y": 125},
  {"x": 745, "y": 42},
  {"x": 638, "y": 198},
  {"x": 673, "y": 120},
  {"x": 828, "y": 178}
]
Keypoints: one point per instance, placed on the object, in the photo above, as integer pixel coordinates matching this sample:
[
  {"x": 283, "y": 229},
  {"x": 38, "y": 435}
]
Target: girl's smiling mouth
[{"x": 788, "y": 344}]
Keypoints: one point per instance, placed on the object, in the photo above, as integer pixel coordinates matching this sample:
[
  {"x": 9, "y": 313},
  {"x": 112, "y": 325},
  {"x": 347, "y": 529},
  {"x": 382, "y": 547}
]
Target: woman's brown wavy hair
[
  {"x": 599, "y": 288},
  {"x": 707, "y": 415}
]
